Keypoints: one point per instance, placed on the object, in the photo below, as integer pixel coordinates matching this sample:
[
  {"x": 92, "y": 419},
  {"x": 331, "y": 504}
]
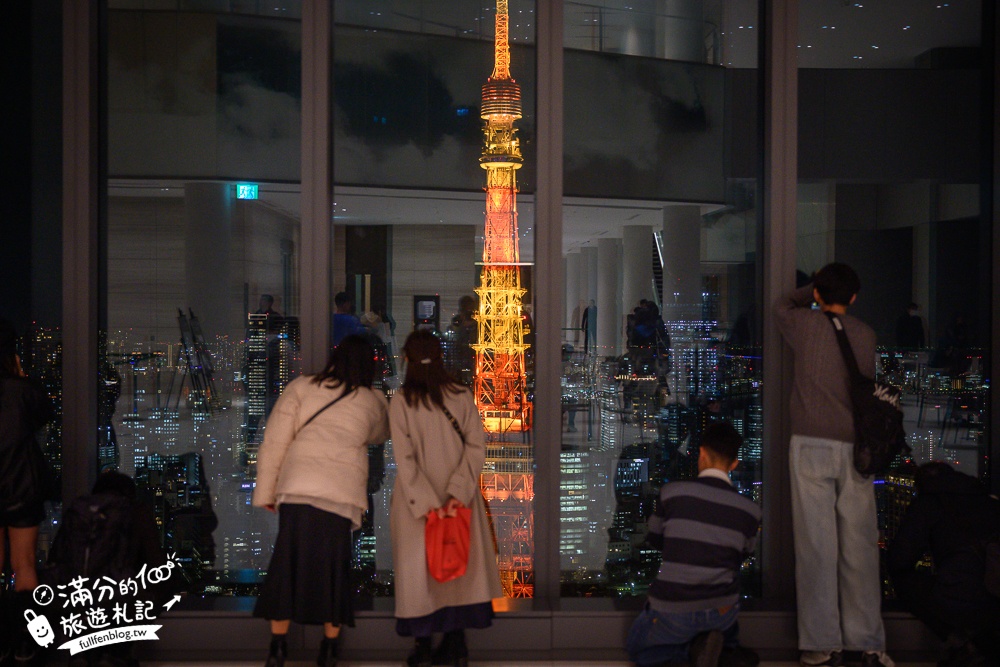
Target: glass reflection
[
  {"x": 412, "y": 111},
  {"x": 662, "y": 322},
  {"x": 201, "y": 284},
  {"x": 903, "y": 208}
]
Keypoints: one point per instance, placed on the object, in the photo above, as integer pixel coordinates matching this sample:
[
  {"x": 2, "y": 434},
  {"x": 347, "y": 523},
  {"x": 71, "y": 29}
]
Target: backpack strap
[
  {"x": 321, "y": 410},
  {"x": 845, "y": 345}
]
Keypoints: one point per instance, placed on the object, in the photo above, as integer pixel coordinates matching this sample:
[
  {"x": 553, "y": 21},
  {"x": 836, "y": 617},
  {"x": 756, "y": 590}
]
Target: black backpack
[
  {"x": 879, "y": 435},
  {"x": 95, "y": 539}
]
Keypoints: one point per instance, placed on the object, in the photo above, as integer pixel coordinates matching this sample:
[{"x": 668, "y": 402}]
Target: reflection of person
[
  {"x": 312, "y": 469},
  {"x": 573, "y": 381},
  {"x": 588, "y": 323},
  {"x": 910, "y": 329},
  {"x": 704, "y": 529},
  {"x": 345, "y": 323},
  {"x": 438, "y": 470},
  {"x": 952, "y": 352},
  {"x": 833, "y": 506},
  {"x": 265, "y": 306},
  {"x": 951, "y": 513},
  {"x": 24, "y": 408},
  {"x": 376, "y": 331},
  {"x": 648, "y": 340},
  {"x": 464, "y": 333}
]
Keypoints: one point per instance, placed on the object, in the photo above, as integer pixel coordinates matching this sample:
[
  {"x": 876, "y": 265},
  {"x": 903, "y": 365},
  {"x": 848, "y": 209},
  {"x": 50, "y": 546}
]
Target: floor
[{"x": 539, "y": 663}]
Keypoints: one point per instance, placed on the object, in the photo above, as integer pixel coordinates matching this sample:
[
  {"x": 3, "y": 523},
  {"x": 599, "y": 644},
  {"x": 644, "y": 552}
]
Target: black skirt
[
  {"x": 309, "y": 578},
  {"x": 465, "y": 617},
  {"x": 25, "y": 516}
]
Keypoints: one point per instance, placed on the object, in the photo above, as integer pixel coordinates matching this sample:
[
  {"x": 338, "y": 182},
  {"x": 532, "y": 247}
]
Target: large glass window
[
  {"x": 661, "y": 249},
  {"x": 432, "y": 228},
  {"x": 31, "y": 255},
  {"x": 890, "y": 101},
  {"x": 201, "y": 282}
]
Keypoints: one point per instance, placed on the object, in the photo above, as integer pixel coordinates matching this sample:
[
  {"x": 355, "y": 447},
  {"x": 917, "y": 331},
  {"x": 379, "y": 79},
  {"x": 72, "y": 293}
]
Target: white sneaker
[
  {"x": 876, "y": 658},
  {"x": 821, "y": 659}
]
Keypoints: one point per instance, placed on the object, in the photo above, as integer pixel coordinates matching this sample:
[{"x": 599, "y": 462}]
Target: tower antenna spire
[{"x": 501, "y": 45}]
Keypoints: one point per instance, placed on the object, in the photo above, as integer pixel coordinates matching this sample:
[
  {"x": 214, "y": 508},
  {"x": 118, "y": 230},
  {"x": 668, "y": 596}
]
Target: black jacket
[
  {"x": 24, "y": 408},
  {"x": 949, "y": 516}
]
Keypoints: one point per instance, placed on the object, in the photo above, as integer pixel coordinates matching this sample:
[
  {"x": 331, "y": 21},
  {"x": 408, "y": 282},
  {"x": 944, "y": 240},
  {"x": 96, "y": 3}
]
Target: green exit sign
[{"x": 246, "y": 190}]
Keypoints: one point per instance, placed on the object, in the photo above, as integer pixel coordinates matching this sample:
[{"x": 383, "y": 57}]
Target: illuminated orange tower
[{"x": 500, "y": 375}]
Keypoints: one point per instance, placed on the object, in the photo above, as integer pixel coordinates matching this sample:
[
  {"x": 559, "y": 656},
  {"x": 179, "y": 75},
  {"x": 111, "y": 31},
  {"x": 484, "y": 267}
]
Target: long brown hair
[
  {"x": 351, "y": 363},
  {"x": 426, "y": 377}
]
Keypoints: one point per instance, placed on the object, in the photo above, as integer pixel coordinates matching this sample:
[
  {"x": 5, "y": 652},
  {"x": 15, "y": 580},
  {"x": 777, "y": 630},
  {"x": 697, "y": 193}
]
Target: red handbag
[{"x": 447, "y": 543}]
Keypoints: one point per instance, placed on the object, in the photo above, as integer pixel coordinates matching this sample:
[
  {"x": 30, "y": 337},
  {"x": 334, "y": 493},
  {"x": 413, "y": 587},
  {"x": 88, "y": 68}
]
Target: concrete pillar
[
  {"x": 637, "y": 265},
  {"x": 922, "y": 292},
  {"x": 574, "y": 298},
  {"x": 588, "y": 295},
  {"x": 207, "y": 270},
  {"x": 679, "y": 31},
  {"x": 816, "y": 225},
  {"x": 681, "y": 262},
  {"x": 608, "y": 297}
]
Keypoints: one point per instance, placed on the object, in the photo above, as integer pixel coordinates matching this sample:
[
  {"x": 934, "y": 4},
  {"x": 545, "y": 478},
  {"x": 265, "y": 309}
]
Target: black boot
[
  {"x": 6, "y": 629},
  {"x": 452, "y": 650},
  {"x": 459, "y": 652},
  {"x": 278, "y": 651},
  {"x": 328, "y": 649},
  {"x": 25, "y": 647},
  {"x": 421, "y": 655},
  {"x": 442, "y": 652}
]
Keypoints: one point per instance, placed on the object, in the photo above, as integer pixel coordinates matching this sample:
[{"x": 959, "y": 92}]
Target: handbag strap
[
  {"x": 845, "y": 345},
  {"x": 318, "y": 412},
  {"x": 454, "y": 423},
  {"x": 458, "y": 429}
]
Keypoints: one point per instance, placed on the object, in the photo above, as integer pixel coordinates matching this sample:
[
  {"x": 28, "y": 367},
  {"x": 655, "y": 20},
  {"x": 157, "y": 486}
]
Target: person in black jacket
[
  {"x": 910, "y": 329},
  {"x": 24, "y": 409},
  {"x": 950, "y": 518}
]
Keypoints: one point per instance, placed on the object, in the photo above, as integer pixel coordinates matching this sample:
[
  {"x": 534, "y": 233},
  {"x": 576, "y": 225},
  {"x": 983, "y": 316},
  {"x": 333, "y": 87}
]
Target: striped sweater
[{"x": 705, "y": 529}]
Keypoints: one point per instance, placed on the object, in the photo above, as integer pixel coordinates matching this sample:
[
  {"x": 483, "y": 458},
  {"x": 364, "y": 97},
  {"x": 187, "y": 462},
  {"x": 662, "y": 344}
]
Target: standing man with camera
[{"x": 833, "y": 506}]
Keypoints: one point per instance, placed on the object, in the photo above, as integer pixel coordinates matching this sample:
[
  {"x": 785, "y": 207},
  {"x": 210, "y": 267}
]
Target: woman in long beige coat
[{"x": 437, "y": 470}]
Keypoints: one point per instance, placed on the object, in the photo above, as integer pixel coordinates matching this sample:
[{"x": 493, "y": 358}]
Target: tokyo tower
[{"x": 500, "y": 374}]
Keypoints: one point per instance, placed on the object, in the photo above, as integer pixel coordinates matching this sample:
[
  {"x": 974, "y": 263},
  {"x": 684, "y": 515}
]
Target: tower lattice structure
[{"x": 500, "y": 372}]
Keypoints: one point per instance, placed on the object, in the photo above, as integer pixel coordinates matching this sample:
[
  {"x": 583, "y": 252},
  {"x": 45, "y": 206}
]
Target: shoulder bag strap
[
  {"x": 454, "y": 422},
  {"x": 845, "y": 345},
  {"x": 475, "y": 477},
  {"x": 321, "y": 410},
  {"x": 458, "y": 429}
]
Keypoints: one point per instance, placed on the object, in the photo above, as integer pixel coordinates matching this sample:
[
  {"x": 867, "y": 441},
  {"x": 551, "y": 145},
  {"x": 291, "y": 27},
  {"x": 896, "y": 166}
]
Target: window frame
[{"x": 548, "y": 626}]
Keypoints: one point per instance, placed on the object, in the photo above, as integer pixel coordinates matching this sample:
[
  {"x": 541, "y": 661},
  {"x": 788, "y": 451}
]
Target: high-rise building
[{"x": 255, "y": 380}]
